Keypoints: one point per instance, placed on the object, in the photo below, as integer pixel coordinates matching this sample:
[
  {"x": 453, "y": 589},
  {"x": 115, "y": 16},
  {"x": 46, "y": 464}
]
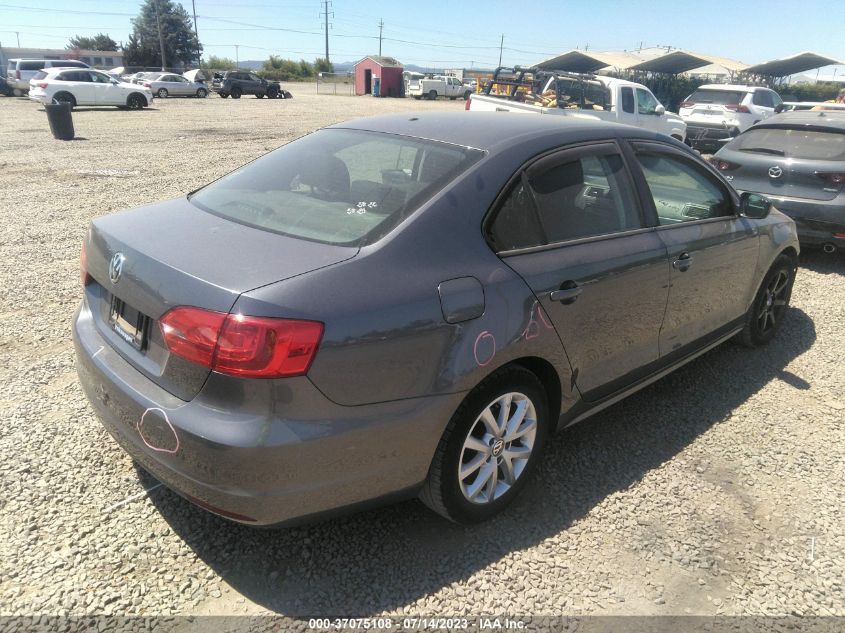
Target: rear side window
[
  {"x": 32, "y": 65},
  {"x": 39, "y": 75},
  {"x": 763, "y": 98},
  {"x": 516, "y": 224},
  {"x": 791, "y": 143},
  {"x": 337, "y": 186},
  {"x": 682, "y": 192},
  {"x": 628, "y": 100},
  {"x": 720, "y": 97},
  {"x": 584, "y": 197}
]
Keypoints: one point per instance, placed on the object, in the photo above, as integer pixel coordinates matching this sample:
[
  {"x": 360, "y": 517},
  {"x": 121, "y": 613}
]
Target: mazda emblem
[
  {"x": 116, "y": 267},
  {"x": 775, "y": 172}
]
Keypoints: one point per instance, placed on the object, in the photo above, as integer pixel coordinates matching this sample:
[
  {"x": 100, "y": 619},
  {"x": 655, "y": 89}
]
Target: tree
[
  {"x": 322, "y": 65},
  {"x": 180, "y": 42},
  {"x": 100, "y": 42},
  {"x": 219, "y": 63}
]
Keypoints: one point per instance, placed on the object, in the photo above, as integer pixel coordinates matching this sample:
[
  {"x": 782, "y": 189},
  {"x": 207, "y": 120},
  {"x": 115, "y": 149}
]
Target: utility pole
[
  {"x": 237, "y": 57},
  {"x": 326, "y": 6},
  {"x": 160, "y": 38},
  {"x": 197, "y": 33},
  {"x": 19, "y": 38},
  {"x": 501, "y": 45},
  {"x": 380, "y": 27}
]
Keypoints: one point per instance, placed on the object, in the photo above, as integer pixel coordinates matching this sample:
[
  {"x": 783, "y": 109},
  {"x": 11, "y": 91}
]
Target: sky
[{"x": 467, "y": 33}]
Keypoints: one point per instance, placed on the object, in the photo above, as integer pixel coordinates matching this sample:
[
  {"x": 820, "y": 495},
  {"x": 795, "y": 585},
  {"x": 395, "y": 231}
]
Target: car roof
[
  {"x": 493, "y": 131},
  {"x": 810, "y": 118}
]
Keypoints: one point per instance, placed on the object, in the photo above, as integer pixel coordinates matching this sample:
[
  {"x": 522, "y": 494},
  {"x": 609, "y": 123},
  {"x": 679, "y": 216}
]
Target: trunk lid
[{"x": 177, "y": 254}]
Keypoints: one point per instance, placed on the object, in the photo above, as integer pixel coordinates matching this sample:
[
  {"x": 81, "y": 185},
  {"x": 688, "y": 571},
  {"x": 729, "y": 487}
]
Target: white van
[{"x": 20, "y": 71}]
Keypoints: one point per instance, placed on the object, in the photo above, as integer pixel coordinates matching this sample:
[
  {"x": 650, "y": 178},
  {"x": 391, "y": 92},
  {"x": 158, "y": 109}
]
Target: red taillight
[
  {"x": 723, "y": 165},
  {"x": 42, "y": 84},
  {"x": 255, "y": 347},
  {"x": 735, "y": 107},
  {"x": 835, "y": 178},
  {"x": 17, "y": 74},
  {"x": 147, "y": 85},
  {"x": 84, "y": 277},
  {"x": 686, "y": 104}
]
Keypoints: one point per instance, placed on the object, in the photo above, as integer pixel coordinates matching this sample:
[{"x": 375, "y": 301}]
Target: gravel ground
[{"x": 718, "y": 490}]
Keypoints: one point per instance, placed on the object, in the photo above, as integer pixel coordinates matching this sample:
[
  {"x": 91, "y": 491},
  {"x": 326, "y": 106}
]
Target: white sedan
[{"x": 78, "y": 86}]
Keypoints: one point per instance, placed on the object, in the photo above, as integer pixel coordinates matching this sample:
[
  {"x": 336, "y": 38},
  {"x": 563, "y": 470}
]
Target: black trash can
[{"x": 61, "y": 121}]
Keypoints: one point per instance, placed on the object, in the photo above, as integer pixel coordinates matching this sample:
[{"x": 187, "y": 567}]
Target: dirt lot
[{"x": 718, "y": 490}]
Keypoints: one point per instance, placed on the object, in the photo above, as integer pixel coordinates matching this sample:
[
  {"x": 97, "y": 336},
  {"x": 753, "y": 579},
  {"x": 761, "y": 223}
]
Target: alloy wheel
[
  {"x": 497, "y": 448},
  {"x": 774, "y": 301}
]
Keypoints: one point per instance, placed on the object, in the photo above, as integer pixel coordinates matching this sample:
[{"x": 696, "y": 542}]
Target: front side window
[
  {"x": 682, "y": 191},
  {"x": 100, "y": 78},
  {"x": 646, "y": 103},
  {"x": 585, "y": 197},
  {"x": 338, "y": 186},
  {"x": 254, "y": 77},
  {"x": 763, "y": 98}
]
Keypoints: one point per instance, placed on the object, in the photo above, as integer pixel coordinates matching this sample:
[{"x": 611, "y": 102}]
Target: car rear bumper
[
  {"x": 708, "y": 135},
  {"x": 260, "y": 452}
]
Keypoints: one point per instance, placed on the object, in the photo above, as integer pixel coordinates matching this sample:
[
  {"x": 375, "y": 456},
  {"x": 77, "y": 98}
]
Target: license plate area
[{"x": 128, "y": 323}]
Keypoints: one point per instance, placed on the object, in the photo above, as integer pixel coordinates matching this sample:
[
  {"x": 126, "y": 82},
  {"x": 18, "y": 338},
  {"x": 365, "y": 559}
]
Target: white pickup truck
[
  {"x": 437, "y": 86},
  {"x": 531, "y": 91}
]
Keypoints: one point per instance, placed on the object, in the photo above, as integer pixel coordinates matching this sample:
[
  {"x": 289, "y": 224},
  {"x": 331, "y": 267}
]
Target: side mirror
[
  {"x": 660, "y": 110},
  {"x": 779, "y": 108},
  {"x": 754, "y": 206},
  {"x": 115, "y": 81}
]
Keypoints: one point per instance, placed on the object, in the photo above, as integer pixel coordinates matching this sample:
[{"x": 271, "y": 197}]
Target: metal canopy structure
[
  {"x": 791, "y": 65},
  {"x": 589, "y": 62},
  {"x": 679, "y": 61}
]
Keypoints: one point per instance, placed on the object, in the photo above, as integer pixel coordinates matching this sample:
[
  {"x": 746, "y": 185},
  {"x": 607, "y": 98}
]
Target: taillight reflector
[
  {"x": 723, "y": 165},
  {"x": 735, "y": 107},
  {"x": 834, "y": 178},
  {"x": 241, "y": 345},
  {"x": 686, "y": 104}
]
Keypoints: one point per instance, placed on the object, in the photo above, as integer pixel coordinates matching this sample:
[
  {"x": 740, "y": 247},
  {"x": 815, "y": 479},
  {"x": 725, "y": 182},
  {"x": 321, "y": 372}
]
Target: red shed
[{"x": 379, "y": 76}]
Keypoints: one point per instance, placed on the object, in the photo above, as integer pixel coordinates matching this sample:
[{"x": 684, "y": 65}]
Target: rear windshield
[
  {"x": 717, "y": 96},
  {"x": 791, "y": 143},
  {"x": 39, "y": 75},
  {"x": 336, "y": 186}
]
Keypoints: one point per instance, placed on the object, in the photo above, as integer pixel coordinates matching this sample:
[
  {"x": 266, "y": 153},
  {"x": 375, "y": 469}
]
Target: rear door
[
  {"x": 574, "y": 230},
  {"x": 78, "y": 83},
  {"x": 712, "y": 250}
]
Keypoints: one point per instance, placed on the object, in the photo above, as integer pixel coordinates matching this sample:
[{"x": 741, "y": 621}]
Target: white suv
[
  {"x": 715, "y": 113},
  {"x": 78, "y": 86},
  {"x": 20, "y": 71}
]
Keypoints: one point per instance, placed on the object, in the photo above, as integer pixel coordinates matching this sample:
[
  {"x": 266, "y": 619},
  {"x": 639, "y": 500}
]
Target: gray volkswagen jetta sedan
[{"x": 409, "y": 305}]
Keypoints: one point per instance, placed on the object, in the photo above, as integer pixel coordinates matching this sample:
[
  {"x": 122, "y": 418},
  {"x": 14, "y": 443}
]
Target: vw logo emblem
[
  {"x": 775, "y": 172},
  {"x": 116, "y": 267}
]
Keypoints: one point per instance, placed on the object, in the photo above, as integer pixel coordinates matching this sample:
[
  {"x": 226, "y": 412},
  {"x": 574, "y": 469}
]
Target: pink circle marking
[
  {"x": 170, "y": 426},
  {"x": 484, "y": 335}
]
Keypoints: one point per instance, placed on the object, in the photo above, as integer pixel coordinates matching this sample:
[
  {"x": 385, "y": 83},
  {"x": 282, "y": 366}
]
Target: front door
[
  {"x": 598, "y": 271},
  {"x": 712, "y": 250}
]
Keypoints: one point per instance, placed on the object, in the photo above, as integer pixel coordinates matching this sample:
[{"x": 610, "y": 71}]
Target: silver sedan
[{"x": 172, "y": 85}]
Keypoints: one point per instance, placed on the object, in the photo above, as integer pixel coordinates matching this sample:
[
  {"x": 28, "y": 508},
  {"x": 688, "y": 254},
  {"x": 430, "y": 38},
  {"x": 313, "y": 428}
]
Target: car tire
[
  {"x": 259, "y": 95},
  {"x": 471, "y": 441},
  {"x": 236, "y": 93},
  {"x": 417, "y": 98},
  {"x": 432, "y": 94},
  {"x": 223, "y": 95},
  {"x": 765, "y": 316},
  {"x": 136, "y": 101},
  {"x": 202, "y": 93},
  {"x": 272, "y": 94},
  {"x": 162, "y": 93},
  {"x": 65, "y": 97},
  {"x": 286, "y": 95}
]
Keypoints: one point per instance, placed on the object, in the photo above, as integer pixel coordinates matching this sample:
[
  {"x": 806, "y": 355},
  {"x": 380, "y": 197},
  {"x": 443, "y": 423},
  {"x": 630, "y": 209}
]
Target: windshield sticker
[{"x": 361, "y": 208}]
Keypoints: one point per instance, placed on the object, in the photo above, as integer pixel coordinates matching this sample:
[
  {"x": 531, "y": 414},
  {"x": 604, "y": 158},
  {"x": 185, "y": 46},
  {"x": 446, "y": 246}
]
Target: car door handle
[
  {"x": 567, "y": 293},
  {"x": 683, "y": 262}
]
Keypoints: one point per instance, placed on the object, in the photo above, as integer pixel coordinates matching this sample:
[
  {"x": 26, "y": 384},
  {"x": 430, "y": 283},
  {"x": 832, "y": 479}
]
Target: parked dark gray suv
[
  {"x": 410, "y": 304},
  {"x": 798, "y": 160},
  {"x": 236, "y": 83}
]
